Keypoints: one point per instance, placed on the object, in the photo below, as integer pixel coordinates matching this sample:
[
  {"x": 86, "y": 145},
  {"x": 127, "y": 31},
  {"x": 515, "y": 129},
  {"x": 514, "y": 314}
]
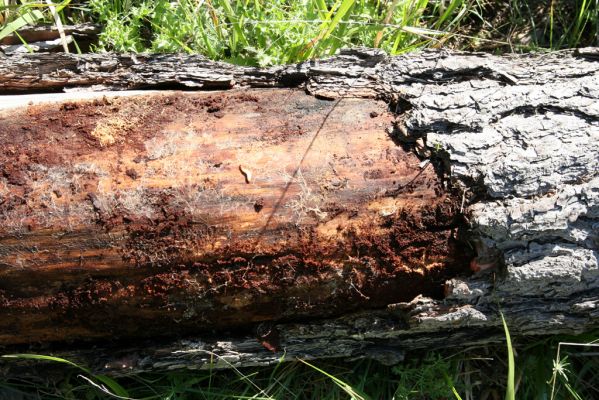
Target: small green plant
[
  {"x": 562, "y": 370},
  {"x": 437, "y": 147}
]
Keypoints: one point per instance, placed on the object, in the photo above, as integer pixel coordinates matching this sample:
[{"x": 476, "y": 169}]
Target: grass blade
[
  {"x": 340, "y": 9},
  {"x": 510, "y": 393},
  {"x": 455, "y": 393},
  {"x": 28, "y": 18},
  {"x": 110, "y": 383},
  {"x": 238, "y": 36},
  {"x": 59, "y": 26},
  {"x": 390, "y": 11},
  {"x": 354, "y": 393},
  {"x": 40, "y": 357}
]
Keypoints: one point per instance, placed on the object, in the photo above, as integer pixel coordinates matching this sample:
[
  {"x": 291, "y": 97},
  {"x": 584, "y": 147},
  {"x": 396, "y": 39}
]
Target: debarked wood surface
[{"x": 171, "y": 213}]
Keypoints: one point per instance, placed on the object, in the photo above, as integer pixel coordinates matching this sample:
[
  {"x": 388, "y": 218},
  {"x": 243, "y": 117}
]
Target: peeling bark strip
[
  {"x": 519, "y": 133},
  {"x": 176, "y": 213}
]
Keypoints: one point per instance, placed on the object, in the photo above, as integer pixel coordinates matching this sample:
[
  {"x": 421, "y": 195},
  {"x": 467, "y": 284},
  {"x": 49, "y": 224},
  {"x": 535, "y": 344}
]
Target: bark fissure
[{"x": 542, "y": 109}]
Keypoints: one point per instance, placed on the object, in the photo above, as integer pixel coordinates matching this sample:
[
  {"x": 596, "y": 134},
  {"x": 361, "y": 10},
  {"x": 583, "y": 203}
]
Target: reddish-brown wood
[{"x": 182, "y": 212}]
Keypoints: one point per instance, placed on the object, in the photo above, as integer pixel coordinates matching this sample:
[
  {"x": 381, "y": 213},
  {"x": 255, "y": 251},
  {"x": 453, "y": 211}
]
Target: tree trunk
[{"x": 256, "y": 221}]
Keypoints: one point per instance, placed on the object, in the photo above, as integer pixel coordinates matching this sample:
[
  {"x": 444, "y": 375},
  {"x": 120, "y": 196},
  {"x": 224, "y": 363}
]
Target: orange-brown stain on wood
[{"x": 196, "y": 211}]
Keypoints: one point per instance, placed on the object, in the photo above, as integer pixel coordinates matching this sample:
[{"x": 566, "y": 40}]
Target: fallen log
[{"x": 174, "y": 216}]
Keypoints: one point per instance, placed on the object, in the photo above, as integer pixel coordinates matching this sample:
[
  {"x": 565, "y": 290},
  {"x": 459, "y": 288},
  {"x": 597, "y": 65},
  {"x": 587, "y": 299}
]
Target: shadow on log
[{"x": 240, "y": 219}]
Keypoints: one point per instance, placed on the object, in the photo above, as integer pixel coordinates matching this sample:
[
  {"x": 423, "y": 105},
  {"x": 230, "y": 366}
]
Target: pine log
[{"x": 495, "y": 158}]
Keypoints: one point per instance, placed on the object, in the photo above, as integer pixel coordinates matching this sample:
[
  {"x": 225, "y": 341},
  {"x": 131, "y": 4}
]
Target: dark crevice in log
[
  {"x": 440, "y": 76},
  {"x": 292, "y": 79},
  {"x": 527, "y": 111}
]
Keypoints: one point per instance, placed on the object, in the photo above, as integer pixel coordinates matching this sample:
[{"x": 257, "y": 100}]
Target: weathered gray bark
[{"x": 518, "y": 133}]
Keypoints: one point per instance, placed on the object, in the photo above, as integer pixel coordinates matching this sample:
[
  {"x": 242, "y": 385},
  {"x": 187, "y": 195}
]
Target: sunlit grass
[{"x": 260, "y": 32}]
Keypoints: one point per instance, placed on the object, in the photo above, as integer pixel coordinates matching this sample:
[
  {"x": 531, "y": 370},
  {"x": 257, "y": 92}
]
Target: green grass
[
  {"x": 15, "y": 16},
  {"x": 279, "y": 31},
  {"x": 273, "y": 32},
  {"x": 550, "y": 369},
  {"x": 259, "y": 32},
  {"x": 267, "y": 32}
]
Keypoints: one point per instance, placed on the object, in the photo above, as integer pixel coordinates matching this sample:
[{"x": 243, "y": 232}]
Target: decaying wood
[
  {"x": 45, "y": 46},
  {"x": 518, "y": 134},
  {"x": 47, "y": 38},
  {"x": 174, "y": 213}
]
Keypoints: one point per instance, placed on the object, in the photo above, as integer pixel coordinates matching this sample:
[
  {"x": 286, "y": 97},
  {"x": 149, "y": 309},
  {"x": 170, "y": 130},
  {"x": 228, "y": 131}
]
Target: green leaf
[{"x": 27, "y": 19}]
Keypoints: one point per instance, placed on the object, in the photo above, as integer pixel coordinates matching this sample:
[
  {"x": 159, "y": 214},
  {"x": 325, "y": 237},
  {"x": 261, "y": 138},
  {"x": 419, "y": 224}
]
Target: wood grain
[{"x": 177, "y": 212}]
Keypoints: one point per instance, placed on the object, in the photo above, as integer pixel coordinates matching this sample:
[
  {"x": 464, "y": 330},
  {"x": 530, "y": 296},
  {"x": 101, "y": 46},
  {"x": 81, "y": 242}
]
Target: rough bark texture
[{"x": 518, "y": 134}]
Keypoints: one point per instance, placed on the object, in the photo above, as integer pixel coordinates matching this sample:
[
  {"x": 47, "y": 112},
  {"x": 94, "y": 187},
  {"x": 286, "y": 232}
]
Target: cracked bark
[{"x": 519, "y": 134}]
